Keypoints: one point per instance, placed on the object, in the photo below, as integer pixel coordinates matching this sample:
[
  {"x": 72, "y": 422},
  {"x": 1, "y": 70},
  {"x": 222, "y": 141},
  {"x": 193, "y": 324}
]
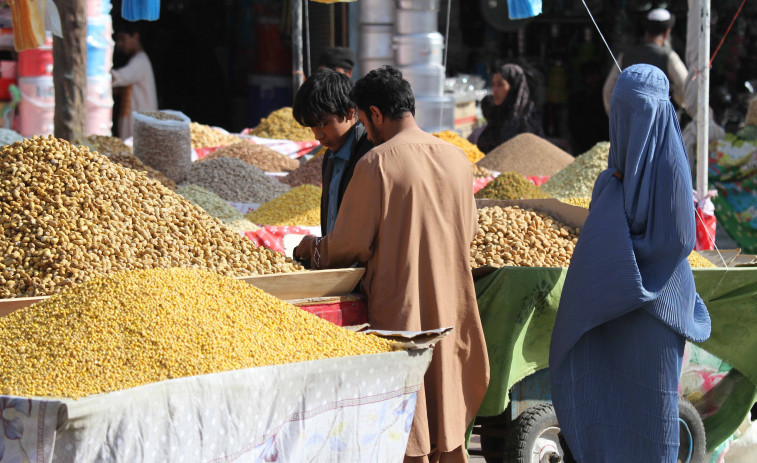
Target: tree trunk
[{"x": 70, "y": 71}]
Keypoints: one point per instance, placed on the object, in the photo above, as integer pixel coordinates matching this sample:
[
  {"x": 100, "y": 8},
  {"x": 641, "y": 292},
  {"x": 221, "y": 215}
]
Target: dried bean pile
[
  {"x": 216, "y": 207},
  {"x": 67, "y": 215},
  {"x": 163, "y": 142},
  {"x": 577, "y": 179},
  {"x": 106, "y": 145},
  {"x": 299, "y": 206},
  {"x": 132, "y": 162},
  {"x": 259, "y": 156},
  {"x": 281, "y": 124},
  {"x": 512, "y": 236},
  {"x": 310, "y": 173},
  {"x": 527, "y": 154},
  {"x": 205, "y": 136},
  {"x": 235, "y": 180},
  {"x": 511, "y": 185}
]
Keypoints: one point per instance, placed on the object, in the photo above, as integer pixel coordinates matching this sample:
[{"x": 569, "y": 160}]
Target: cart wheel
[
  {"x": 535, "y": 437},
  {"x": 692, "y": 447}
]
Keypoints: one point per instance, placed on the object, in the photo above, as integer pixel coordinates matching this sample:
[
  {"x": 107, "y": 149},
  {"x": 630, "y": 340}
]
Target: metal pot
[
  {"x": 426, "y": 80},
  {"x": 422, "y": 5},
  {"x": 416, "y": 21},
  {"x": 368, "y": 65},
  {"x": 375, "y": 11},
  {"x": 435, "y": 114},
  {"x": 418, "y": 48},
  {"x": 376, "y": 41}
]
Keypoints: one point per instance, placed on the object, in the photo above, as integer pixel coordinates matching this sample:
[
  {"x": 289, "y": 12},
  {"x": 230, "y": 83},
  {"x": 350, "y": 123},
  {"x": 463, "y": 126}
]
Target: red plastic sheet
[
  {"x": 346, "y": 313},
  {"x": 479, "y": 183},
  {"x": 706, "y": 227},
  {"x": 538, "y": 180},
  {"x": 272, "y": 237}
]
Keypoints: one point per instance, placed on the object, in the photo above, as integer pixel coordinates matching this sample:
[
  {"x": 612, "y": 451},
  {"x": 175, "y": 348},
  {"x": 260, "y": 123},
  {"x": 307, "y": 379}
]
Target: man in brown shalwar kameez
[{"x": 409, "y": 215}]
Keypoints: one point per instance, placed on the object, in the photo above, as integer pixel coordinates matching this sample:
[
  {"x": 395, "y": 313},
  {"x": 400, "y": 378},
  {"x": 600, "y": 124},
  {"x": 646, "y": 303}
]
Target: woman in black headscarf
[{"x": 509, "y": 111}]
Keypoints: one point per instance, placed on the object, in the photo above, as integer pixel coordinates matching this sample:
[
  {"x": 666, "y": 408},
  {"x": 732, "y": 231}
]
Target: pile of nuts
[
  {"x": 480, "y": 172},
  {"x": 259, "y": 156},
  {"x": 281, "y": 124},
  {"x": 68, "y": 214},
  {"x": 132, "y": 162},
  {"x": 106, "y": 145},
  {"x": 235, "y": 180},
  {"x": 512, "y": 236},
  {"x": 205, "y": 136}
]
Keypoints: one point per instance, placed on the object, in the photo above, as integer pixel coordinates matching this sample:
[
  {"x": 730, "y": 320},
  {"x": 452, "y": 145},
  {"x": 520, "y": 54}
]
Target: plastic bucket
[
  {"x": 99, "y": 45},
  {"x": 97, "y": 7},
  {"x": 36, "y": 62},
  {"x": 267, "y": 94},
  {"x": 37, "y": 107},
  {"x": 99, "y": 105}
]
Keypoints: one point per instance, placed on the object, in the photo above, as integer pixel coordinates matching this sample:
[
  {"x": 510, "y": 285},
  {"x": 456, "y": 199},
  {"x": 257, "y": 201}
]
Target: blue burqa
[{"x": 629, "y": 300}]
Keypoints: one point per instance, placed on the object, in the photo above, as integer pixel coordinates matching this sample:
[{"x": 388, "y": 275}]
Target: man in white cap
[{"x": 657, "y": 26}]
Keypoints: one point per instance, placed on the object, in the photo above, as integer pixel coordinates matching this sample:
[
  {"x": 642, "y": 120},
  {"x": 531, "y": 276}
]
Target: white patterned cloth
[{"x": 356, "y": 409}]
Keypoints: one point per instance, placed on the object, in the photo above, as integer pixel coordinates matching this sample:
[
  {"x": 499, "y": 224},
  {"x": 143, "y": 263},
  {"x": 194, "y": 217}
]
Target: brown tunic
[{"x": 409, "y": 215}]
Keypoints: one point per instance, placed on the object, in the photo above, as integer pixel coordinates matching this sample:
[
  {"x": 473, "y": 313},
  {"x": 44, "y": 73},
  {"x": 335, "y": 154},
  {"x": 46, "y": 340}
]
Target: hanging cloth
[
  {"x": 136, "y": 10},
  {"x": 522, "y": 9}
]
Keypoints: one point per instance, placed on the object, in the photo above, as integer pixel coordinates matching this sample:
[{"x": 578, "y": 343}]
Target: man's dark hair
[
  {"x": 657, "y": 27},
  {"x": 385, "y": 89},
  {"x": 337, "y": 57},
  {"x": 323, "y": 93}
]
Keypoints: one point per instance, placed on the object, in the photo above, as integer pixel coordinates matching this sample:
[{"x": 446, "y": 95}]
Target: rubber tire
[
  {"x": 526, "y": 428},
  {"x": 689, "y": 414}
]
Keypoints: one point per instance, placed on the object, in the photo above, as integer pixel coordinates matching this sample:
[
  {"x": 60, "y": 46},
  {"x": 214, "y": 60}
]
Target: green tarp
[{"x": 518, "y": 307}]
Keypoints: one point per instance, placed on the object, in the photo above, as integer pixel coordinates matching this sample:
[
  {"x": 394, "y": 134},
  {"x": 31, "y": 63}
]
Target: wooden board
[
  {"x": 288, "y": 286},
  {"x": 304, "y": 285}
]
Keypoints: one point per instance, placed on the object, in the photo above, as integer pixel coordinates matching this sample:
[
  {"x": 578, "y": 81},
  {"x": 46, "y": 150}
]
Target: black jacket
[{"x": 360, "y": 146}]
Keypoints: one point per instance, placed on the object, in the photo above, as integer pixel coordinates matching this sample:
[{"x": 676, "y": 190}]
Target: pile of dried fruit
[
  {"x": 259, "y": 156},
  {"x": 106, "y": 145},
  {"x": 281, "y": 124},
  {"x": 480, "y": 172},
  {"x": 577, "y": 179},
  {"x": 299, "y": 206},
  {"x": 310, "y": 173},
  {"x": 471, "y": 151},
  {"x": 511, "y": 185},
  {"x": 205, "y": 136}
]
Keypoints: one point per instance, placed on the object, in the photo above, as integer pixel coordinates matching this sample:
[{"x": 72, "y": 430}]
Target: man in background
[
  {"x": 136, "y": 78},
  {"x": 657, "y": 26},
  {"x": 340, "y": 59}
]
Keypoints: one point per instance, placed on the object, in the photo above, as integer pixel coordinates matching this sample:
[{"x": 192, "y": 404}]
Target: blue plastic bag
[
  {"x": 521, "y": 9},
  {"x": 135, "y": 10}
]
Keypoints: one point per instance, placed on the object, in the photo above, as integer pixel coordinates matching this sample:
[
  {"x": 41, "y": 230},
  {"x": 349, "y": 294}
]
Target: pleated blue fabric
[{"x": 629, "y": 300}]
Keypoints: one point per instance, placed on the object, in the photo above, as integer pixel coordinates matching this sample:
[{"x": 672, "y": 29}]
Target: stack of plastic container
[
  {"x": 418, "y": 52},
  {"x": 376, "y": 30},
  {"x": 99, "y": 63},
  {"x": 35, "y": 83}
]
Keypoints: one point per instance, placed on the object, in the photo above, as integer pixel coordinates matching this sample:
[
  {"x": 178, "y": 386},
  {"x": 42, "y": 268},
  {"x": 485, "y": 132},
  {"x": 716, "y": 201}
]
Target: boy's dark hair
[
  {"x": 385, "y": 89},
  {"x": 323, "y": 93},
  {"x": 337, "y": 57}
]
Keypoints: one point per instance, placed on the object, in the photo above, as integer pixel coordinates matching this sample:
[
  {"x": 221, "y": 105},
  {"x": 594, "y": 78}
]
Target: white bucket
[
  {"x": 99, "y": 105},
  {"x": 37, "y": 106}
]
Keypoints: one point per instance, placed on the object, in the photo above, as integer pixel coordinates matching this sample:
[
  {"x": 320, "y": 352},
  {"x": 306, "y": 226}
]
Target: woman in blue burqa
[{"x": 629, "y": 301}]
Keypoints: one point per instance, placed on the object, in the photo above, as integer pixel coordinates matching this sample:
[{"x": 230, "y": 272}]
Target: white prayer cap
[{"x": 659, "y": 14}]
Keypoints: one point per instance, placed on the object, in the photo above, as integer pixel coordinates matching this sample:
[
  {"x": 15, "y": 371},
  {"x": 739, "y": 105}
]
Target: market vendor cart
[{"x": 518, "y": 306}]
